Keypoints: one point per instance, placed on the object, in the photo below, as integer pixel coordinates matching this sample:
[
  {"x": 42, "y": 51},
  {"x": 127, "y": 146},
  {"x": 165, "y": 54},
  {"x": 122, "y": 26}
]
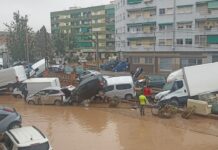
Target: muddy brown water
[{"x": 79, "y": 128}]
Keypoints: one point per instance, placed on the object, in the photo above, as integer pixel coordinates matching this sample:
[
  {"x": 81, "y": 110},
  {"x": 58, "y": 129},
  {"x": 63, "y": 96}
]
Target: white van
[
  {"x": 10, "y": 76},
  {"x": 38, "y": 68},
  {"x": 122, "y": 87},
  {"x": 34, "y": 85}
]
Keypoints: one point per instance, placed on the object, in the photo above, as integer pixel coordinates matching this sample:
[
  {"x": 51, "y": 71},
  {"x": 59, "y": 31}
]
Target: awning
[
  {"x": 134, "y": 1},
  {"x": 141, "y": 9},
  {"x": 165, "y": 23},
  {"x": 139, "y": 38},
  {"x": 213, "y": 5},
  {"x": 140, "y": 24},
  {"x": 212, "y": 39},
  {"x": 185, "y": 6}
]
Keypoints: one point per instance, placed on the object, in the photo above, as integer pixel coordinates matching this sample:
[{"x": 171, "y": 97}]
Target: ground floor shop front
[{"x": 166, "y": 62}]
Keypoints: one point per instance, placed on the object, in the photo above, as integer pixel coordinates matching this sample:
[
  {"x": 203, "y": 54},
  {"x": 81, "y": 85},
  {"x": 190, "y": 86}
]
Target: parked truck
[
  {"x": 188, "y": 82},
  {"x": 11, "y": 77},
  {"x": 34, "y": 85}
]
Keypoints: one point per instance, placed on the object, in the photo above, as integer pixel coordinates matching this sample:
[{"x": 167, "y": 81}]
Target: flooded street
[{"x": 79, "y": 128}]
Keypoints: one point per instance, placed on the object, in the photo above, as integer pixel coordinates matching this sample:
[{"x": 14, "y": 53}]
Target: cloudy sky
[{"x": 38, "y": 11}]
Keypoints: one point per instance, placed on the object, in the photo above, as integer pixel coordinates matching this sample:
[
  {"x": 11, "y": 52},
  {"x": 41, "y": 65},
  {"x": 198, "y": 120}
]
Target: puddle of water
[{"x": 80, "y": 128}]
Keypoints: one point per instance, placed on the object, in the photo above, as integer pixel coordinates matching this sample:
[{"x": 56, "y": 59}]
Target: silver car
[
  {"x": 51, "y": 95},
  {"x": 9, "y": 119}
]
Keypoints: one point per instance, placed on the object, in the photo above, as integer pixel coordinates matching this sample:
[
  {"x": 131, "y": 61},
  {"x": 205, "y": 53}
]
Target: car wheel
[
  {"x": 57, "y": 102},
  {"x": 18, "y": 96},
  {"x": 31, "y": 102},
  {"x": 10, "y": 88},
  {"x": 14, "y": 125},
  {"x": 128, "y": 97},
  {"x": 174, "y": 102}
]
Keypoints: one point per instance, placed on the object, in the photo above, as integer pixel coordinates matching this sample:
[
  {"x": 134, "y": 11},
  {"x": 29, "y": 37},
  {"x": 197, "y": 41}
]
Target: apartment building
[
  {"x": 165, "y": 35},
  {"x": 85, "y": 27}
]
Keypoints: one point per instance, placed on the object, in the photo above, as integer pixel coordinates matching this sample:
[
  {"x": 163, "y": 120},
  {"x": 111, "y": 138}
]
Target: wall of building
[
  {"x": 145, "y": 28},
  {"x": 82, "y": 25}
]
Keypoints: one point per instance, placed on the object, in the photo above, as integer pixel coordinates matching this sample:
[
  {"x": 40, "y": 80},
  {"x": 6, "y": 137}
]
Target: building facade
[
  {"x": 165, "y": 35},
  {"x": 85, "y": 27}
]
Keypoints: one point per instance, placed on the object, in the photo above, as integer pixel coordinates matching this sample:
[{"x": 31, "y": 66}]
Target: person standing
[
  {"x": 25, "y": 93},
  {"x": 142, "y": 102}
]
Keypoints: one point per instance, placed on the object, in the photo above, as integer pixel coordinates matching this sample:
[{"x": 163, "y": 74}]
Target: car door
[
  {"x": 53, "y": 95},
  {"x": 44, "y": 97},
  {"x": 109, "y": 91},
  {"x": 123, "y": 89}
]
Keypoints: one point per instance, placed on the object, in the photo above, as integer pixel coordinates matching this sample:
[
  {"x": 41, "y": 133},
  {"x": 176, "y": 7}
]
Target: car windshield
[
  {"x": 168, "y": 86},
  {"x": 43, "y": 146}
]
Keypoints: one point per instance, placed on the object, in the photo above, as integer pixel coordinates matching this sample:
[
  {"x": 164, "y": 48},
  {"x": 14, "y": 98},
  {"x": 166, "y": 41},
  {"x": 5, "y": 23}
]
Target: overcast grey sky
[{"x": 38, "y": 11}]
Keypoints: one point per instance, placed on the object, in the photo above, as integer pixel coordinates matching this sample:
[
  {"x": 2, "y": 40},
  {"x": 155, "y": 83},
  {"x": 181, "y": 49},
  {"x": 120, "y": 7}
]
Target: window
[
  {"x": 148, "y": 60},
  {"x": 214, "y": 58},
  {"x": 169, "y": 11},
  {"x": 190, "y": 62},
  {"x": 161, "y": 42},
  {"x": 123, "y": 86},
  {"x": 201, "y": 40},
  {"x": 188, "y": 26},
  {"x": 179, "y": 41},
  {"x": 162, "y": 11},
  {"x": 41, "y": 146},
  {"x": 184, "y": 9},
  {"x": 184, "y": 25},
  {"x": 135, "y": 60},
  {"x": 53, "y": 92},
  {"x": 188, "y": 41},
  {"x": 2, "y": 116},
  {"x": 161, "y": 27},
  {"x": 169, "y": 42},
  {"x": 109, "y": 88},
  {"x": 165, "y": 64},
  {"x": 177, "y": 85}
]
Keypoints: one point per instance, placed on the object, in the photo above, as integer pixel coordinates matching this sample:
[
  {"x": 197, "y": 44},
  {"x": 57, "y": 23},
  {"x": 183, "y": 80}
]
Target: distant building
[
  {"x": 81, "y": 26},
  {"x": 3, "y": 47},
  {"x": 160, "y": 39}
]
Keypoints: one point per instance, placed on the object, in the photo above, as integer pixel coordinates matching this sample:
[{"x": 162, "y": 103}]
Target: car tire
[
  {"x": 31, "y": 102},
  {"x": 18, "y": 96},
  {"x": 14, "y": 125},
  {"x": 128, "y": 96},
  {"x": 174, "y": 102},
  {"x": 10, "y": 88},
  {"x": 57, "y": 102}
]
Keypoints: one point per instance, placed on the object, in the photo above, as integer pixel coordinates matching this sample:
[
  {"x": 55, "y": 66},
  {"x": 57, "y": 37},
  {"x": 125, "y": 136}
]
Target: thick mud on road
[{"x": 79, "y": 128}]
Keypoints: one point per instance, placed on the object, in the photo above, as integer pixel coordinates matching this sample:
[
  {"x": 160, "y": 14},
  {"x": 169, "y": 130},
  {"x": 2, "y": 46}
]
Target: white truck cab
[
  {"x": 174, "y": 92},
  {"x": 188, "y": 82},
  {"x": 25, "y": 138}
]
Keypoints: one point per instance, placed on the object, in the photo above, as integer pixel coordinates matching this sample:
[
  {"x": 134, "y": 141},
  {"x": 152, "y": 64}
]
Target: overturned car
[{"x": 88, "y": 88}]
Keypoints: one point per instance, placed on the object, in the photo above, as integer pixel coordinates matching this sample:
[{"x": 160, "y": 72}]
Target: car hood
[{"x": 161, "y": 94}]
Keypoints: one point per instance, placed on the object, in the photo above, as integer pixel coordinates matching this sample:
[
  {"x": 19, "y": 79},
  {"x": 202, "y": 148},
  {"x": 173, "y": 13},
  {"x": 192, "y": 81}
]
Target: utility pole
[
  {"x": 97, "y": 53},
  {"x": 174, "y": 25},
  {"x": 174, "y": 32},
  {"x": 154, "y": 68}
]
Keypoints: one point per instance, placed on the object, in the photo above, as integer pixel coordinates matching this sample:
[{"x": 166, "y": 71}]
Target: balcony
[
  {"x": 139, "y": 48},
  {"x": 140, "y": 34},
  {"x": 141, "y": 19},
  {"x": 206, "y": 15},
  {"x": 209, "y": 31}
]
